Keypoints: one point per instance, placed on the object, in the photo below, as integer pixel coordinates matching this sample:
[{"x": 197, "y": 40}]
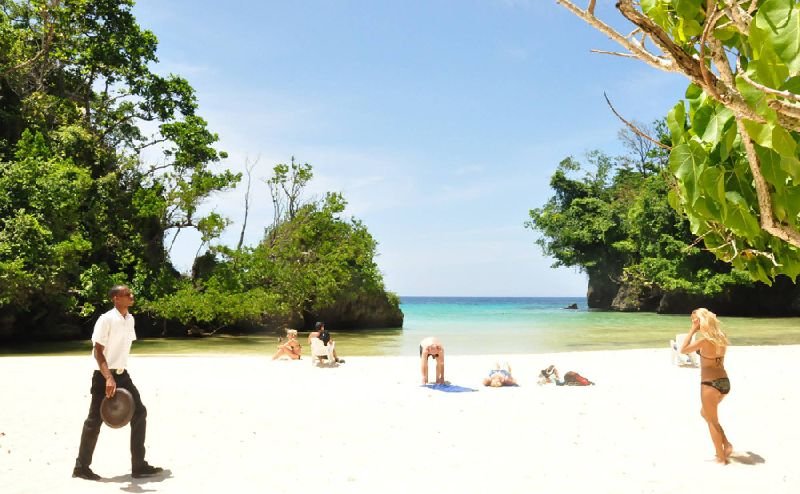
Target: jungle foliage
[
  {"x": 102, "y": 159},
  {"x": 611, "y": 217}
]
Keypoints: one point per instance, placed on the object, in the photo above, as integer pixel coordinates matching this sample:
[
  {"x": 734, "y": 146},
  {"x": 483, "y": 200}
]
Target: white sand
[{"x": 247, "y": 424}]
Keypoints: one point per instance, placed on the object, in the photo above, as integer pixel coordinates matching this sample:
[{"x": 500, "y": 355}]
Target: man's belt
[{"x": 117, "y": 371}]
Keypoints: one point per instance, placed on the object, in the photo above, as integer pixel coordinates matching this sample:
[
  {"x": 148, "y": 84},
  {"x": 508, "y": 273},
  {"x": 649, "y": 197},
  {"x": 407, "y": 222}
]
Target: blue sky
[{"x": 441, "y": 121}]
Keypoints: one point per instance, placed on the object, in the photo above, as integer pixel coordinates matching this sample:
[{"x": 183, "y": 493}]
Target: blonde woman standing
[{"x": 714, "y": 382}]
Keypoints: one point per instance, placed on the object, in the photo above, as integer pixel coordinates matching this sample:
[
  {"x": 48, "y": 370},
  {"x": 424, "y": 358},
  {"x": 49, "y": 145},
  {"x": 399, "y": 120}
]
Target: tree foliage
[
  {"x": 311, "y": 258},
  {"x": 735, "y": 159},
  {"x": 104, "y": 162},
  {"x": 615, "y": 220}
]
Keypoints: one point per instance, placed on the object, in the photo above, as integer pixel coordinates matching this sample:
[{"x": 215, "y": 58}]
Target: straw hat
[{"x": 118, "y": 410}]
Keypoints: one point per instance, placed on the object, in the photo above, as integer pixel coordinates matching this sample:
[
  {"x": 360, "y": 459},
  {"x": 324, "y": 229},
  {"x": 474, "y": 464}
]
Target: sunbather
[
  {"x": 500, "y": 376},
  {"x": 714, "y": 383},
  {"x": 291, "y": 348},
  {"x": 550, "y": 376}
]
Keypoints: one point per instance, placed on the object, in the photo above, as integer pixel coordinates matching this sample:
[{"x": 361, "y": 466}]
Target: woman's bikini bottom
[{"x": 723, "y": 384}]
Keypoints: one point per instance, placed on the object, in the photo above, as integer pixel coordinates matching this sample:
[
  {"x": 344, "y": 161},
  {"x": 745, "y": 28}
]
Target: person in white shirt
[{"x": 112, "y": 338}]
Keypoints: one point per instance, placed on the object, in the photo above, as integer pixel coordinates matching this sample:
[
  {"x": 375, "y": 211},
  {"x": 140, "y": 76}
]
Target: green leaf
[
  {"x": 792, "y": 85},
  {"x": 689, "y": 9},
  {"x": 791, "y": 166},
  {"x": 755, "y": 98},
  {"x": 727, "y": 143},
  {"x": 739, "y": 218},
  {"x": 676, "y": 121},
  {"x": 780, "y": 20},
  {"x": 783, "y": 142},
  {"x": 709, "y": 122},
  {"x": 711, "y": 202},
  {"x": 771, "y": 166}
]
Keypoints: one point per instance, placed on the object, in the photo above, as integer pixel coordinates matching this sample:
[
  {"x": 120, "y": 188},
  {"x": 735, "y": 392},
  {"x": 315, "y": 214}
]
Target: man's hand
[{"x": 111, "y": 387}]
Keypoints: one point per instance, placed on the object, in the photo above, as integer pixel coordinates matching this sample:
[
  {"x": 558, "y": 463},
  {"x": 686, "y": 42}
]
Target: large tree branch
[
  {"x": 636, "y": 48},
  {"x": 767, "y": 217},
  {"x": 48, "y": 33},
  {"x": 688, "y": 64}
]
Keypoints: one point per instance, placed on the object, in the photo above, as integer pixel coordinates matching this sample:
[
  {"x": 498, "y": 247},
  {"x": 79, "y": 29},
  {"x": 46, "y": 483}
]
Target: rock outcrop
[
  {"x": 782, "y": 299},
  {"x": 359, "y": 311}
]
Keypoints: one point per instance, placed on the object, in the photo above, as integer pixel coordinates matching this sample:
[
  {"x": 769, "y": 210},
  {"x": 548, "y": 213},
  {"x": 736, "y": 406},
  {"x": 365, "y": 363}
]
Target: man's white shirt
[{"x": 116, "y": 333}]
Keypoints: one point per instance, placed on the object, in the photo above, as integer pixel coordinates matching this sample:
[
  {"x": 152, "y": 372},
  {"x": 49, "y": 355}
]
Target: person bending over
[
  {"x": 714, "y": 382},
  {"x": 432, "y": 347}
]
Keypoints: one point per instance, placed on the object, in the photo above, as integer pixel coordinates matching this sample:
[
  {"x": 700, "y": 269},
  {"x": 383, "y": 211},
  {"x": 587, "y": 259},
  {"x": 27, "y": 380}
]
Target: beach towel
[{"x": 449, "y": 388}]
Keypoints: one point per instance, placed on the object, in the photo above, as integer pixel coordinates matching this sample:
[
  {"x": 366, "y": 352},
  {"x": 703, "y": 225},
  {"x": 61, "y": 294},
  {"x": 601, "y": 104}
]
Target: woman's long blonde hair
[{"x": 710, "y": 327}]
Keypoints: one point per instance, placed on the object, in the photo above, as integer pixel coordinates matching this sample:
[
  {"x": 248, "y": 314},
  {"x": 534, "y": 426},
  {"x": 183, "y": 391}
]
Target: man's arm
[
  {"x": 111, "y": 384},
  {"x": 424, "y": 358}
]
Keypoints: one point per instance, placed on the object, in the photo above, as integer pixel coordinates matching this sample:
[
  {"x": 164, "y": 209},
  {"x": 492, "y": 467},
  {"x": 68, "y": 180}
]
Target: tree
[
  {"x": 88, "y": 195},
  {"x": 615, "y": 222},
  {"x": 735, "y": 158},
  {"x": 309, "y": 260}
]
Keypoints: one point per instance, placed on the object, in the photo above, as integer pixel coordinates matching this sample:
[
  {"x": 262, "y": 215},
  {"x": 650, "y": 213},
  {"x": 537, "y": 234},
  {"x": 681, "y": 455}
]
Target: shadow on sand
[
  {"x": 748, "y": 458},
  {"x": 138, "y": 485}
]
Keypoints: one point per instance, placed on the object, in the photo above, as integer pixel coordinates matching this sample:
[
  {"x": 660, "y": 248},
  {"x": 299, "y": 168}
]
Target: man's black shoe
[
  {"x": 339, "y": 360},
  {"x": 146, "y": 470},
  {"x": 85, "y": 473}
]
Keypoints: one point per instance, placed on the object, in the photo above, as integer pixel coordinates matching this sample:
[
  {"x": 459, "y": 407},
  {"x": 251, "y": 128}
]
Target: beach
[{"x": 247, "y": 424}]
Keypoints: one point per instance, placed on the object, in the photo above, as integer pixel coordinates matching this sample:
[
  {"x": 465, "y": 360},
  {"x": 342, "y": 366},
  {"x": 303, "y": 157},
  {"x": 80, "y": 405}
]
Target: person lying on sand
[
  {"x": 500, "y": 376},
  {"x": 550, "y": 376}
]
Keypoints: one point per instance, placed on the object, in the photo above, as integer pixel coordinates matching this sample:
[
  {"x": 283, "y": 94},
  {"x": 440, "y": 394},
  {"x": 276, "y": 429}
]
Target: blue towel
[{"x": 449, "y": 388}]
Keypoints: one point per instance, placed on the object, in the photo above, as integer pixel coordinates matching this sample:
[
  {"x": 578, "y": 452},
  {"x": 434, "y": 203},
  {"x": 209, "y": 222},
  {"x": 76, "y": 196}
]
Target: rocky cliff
[
  {"x": 359, "y": 311},
  {"x": 781, "y": 299}
]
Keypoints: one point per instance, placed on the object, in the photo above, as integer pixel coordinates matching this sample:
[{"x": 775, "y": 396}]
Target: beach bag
[{"x": 572, "y": 378}]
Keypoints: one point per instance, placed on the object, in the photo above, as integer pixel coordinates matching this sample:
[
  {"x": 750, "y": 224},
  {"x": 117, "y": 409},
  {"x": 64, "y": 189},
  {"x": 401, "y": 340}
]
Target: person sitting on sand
[
  {"x": 291, "y": 348},
  {"x": 500, "y": 376},
  {"x": 432, "y": 347},
  {"x": 550, "y": 376},
  {"x": 714, "y": 382},
  {"x": 325, "y": 336}
]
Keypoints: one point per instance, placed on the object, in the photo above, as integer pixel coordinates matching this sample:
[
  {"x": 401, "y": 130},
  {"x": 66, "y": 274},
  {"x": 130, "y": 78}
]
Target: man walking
[{"x": 112, "y": 337}]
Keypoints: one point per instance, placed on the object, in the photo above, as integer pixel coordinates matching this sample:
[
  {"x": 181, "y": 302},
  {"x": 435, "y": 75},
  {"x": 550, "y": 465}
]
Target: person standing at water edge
[
  {"x": 714, "y": 382},
  {"x": 113, "y": 334},
  {"x": 432, "y": 347}
]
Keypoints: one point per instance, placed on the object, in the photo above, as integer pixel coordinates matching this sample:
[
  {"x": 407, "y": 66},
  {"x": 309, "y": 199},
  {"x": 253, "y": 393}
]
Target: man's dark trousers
[{"x": 91, "y": 427}]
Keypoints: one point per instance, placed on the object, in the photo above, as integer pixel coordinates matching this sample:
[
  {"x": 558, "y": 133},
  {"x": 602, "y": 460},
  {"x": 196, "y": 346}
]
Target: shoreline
[{"x": 251, "y": 424}]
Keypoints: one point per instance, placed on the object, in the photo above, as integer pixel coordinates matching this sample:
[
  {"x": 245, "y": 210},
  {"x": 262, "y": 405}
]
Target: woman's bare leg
[{"x": 710, "y": 398}]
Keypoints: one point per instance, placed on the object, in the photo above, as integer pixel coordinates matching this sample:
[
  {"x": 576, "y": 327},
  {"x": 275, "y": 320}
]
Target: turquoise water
[
  {"x": 470, "y": 326},
  {"x": 539, "y": 325}
]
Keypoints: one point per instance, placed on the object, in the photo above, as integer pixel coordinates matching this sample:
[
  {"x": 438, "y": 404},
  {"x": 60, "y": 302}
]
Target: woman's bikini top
[{"x": 717, "y": 359}]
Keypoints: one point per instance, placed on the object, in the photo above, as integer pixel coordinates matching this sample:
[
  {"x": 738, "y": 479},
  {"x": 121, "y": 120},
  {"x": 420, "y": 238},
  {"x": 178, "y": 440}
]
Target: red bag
[{"x": 572, "y": 378}]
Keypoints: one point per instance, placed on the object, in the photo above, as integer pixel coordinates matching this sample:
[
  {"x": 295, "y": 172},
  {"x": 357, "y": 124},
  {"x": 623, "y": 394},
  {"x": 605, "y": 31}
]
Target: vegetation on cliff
[
  {"x": 614, "y": 221},
  {"x": 103, "y": 162},
  {"x": 735, "y": 158}
]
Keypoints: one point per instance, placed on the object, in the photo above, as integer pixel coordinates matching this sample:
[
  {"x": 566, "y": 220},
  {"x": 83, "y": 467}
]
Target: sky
[{"x": 440, "y": 121}]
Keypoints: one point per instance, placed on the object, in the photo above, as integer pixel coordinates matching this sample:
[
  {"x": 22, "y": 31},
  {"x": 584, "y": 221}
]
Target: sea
[{"x": 513, "y": 325}]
